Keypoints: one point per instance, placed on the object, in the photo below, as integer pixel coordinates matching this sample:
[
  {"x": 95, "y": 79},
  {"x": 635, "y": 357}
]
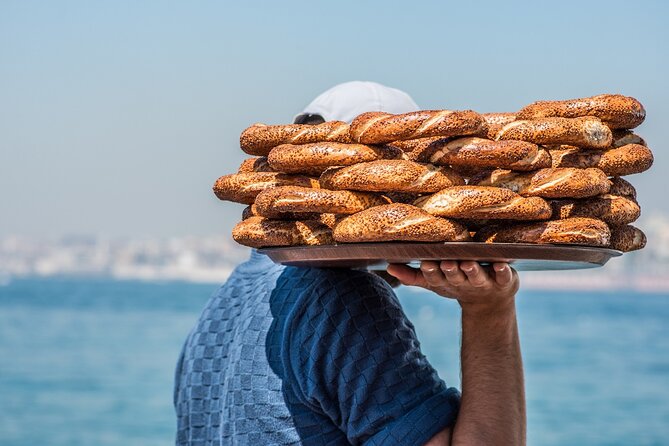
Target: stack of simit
[{"x": 550, "y": 173}]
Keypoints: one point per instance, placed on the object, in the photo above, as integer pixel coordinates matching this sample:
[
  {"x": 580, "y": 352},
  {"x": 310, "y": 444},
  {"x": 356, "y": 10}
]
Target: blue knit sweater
[{"x": 290, "y": 356}]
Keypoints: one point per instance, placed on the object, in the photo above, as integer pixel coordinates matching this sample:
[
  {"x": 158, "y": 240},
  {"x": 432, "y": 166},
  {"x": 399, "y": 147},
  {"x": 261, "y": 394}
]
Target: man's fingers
[
  {"x": 433, "y": 275},
  {"x": 451, "y": 270},
  {"x": 475, "y": 274},
  {"x": 406, "y": 275},
  {"x": 503, "y": 273}
]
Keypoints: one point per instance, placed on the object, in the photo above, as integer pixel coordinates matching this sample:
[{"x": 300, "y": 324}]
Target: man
[{"x": 289, "y": 356}]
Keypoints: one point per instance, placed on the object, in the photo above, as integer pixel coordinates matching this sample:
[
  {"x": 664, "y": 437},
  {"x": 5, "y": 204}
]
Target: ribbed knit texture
[{"x": 289, "y": 356}]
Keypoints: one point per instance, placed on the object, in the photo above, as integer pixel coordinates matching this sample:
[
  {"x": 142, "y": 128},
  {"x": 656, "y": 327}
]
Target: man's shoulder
[{"x": 331, "y": 280}]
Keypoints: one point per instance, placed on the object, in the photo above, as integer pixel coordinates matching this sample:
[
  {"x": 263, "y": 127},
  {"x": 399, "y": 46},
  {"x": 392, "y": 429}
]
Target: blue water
[{"x": 87, "y": 362}]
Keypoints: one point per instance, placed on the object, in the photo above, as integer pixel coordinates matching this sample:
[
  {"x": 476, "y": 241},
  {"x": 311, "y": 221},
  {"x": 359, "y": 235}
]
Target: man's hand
[{"x": 477, "y": 288}]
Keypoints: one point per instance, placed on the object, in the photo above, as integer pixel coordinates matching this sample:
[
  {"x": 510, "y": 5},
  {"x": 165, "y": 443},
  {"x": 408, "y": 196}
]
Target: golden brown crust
[
  {"x": 482, "y": 153},
  {"x": 244, "y": 187},
  {"x": 259, "y": 232},
  {"x": 314, "y": 158},
  {"x": 496, "y": 121},
  {"x": 398, "y": 222},
  {"x": 379, "y": 127},
  {"x": 276, "y": 201},
  {"x": 255, "y": 164},
  {"x": 625, "y": 160},
  {"x": 259, "y": 139},
  {"x": 588, "y": 132},
  {"x": 611, "y": 209},
  {"x": 571, "y": 231},
  {"x": 627, "y": 238},
  {"x": 622, "y": 188},
  {"x": 478, "y": 202},
  {"x": 390, "y": 176},
  {"x": 618, "y": 111},
  {"x": 549, "y": 183}
]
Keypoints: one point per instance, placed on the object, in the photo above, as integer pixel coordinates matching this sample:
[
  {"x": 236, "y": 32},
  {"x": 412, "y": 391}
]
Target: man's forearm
[{"x": 492, "y": 411}]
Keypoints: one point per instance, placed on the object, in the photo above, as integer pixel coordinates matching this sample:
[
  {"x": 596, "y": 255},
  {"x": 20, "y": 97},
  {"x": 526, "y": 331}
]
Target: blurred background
[{"x": 117, "y": 117}]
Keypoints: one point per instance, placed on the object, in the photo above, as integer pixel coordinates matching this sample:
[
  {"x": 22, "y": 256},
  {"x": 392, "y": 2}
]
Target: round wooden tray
[{"x": 523, "y": 256}]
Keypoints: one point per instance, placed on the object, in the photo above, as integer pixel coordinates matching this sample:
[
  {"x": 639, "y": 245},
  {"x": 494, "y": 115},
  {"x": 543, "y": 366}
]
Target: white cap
[{"x": 345, "y": 101}]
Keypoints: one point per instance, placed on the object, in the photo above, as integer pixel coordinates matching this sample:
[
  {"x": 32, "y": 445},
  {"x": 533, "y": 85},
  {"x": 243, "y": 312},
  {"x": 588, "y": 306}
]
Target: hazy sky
[{"x": 116, "y": 117}]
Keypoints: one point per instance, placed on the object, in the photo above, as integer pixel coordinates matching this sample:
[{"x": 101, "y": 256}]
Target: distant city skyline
[
  {"x": 116, "y": 118},
  {"x": 210, "y": 259}
]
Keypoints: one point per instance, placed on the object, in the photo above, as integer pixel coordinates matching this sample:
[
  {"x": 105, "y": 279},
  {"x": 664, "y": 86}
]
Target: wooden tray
[{"x": 523, "y": 257}]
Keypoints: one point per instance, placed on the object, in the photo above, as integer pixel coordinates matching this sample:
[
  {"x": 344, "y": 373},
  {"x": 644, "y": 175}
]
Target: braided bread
[
  {"x": 480, "y": 202},
  {"x": 279, "y": 200},
  {"x": 496, "y": 121},
  {"x": 255, "y": 164},
  {"x": 627, "y": 238},
  {"x": 397, "y": 222},
  {"x": 260, "y": 138},
  {"x": 314, "y": 158},
  {"x": 549, "y": 183},
  {"x": 588, "y": 132},
  {"x": 244, "y": 187},
  {"x": 259, "y": 232},
  {"x": 571, "y": 231},
  {"x": 611, "y": 209},
  {"x": 479, "y": 152},
  {"x": 390, "y": 176},
  {"x": 618, "y": 111},
  {"x": 379, "y": 127}
]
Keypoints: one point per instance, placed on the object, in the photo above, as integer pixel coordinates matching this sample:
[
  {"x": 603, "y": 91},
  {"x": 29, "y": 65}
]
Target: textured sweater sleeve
[{"x": 355, "y": 358}]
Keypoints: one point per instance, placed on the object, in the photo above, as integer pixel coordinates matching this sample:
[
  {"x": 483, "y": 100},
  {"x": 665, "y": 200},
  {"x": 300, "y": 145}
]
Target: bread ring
[
  {"x": 276, "y": 201},
  {"x": 611, "y": 209},
  {"x": 496, "y": 121},
  {"x": 622, "y": 188},
  {"x": 398, "y": 222},
  {"x": 259, "y": 232},
  {"x": 243, "y": 187},
  {"x": 624, "y": 137},
  {"x": 625, "y": 160},
  {"x": 627, "y": 238},
  {"x": 260, "y": 138},
  {"x": 618, "y": 111},
  {"x": 481, "y": 202},
  {"x": 390, "y": 176},
  {"x": 479, "y": 152},
  {"x": 379, "y": 127},
  {"x": 587, "y": 132},
  {"x": 549, "y": 183},
  {"x": 571, "y": 231},
  {"x": 314, "y": 158},
  {"x": 256, "y": 164}
]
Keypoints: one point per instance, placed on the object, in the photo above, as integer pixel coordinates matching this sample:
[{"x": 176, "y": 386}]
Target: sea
[{"x": 91, "y": 361}]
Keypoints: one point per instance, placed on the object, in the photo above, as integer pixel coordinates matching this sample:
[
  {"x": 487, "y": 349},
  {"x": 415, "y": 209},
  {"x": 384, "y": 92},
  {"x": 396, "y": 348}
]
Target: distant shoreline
[{"x": 534, "y": 281}]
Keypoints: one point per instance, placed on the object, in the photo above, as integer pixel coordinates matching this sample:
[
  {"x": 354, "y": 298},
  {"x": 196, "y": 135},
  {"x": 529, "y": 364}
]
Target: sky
[{"x": 116, "y": 117}]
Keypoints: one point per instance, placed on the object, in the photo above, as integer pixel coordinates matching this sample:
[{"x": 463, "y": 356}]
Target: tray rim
[{"x": 362, "y": 254}]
